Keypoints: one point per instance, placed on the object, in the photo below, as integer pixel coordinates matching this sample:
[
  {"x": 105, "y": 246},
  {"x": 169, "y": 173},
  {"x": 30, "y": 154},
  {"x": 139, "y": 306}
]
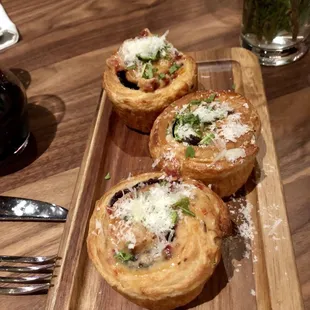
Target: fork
[{"x": 43, "y": 267}]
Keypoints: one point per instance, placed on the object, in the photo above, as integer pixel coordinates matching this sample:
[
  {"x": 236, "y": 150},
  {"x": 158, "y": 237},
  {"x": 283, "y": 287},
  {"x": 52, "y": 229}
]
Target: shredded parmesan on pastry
[
  {"x": 143, "y": 46},
  {"x": 233, "y": 128},
  {"x": 151, "y": 208}
]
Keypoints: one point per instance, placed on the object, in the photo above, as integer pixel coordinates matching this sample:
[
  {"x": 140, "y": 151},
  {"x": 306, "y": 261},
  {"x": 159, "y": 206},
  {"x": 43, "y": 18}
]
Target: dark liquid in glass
[{"x": 14, "y": 131}]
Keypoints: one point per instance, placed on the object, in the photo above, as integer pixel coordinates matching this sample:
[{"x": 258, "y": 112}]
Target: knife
[{"x": 20, "y": 209}]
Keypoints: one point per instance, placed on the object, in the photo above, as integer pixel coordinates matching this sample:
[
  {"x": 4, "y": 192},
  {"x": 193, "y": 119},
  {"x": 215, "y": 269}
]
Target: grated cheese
[
  {"x": 206, "y": 115},
  {"x": 143, "y": 46},
  {"x": 185, "y": 131},
  {"x": 155, "y": 163},
  {"x": 274, "y": 227},
  {"x": 233, "y": 154},
  {"x": 152, "y": 209},
  {"x": 233, "y": 129}
]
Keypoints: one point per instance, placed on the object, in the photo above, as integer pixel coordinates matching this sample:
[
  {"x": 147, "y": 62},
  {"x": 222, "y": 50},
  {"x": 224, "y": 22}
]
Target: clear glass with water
[{"x": 276, "y": 30}]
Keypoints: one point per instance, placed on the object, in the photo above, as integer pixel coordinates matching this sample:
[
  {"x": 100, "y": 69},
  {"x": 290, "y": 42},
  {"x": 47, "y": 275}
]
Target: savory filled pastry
[
  {"x": 208, "y": 136},
  {"x": 144, "y": 76},
  {"x": 157, "y": 239}
]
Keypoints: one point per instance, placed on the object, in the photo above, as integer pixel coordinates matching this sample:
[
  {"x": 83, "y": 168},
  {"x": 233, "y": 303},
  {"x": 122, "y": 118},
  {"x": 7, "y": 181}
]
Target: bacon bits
[{"x": 167, "y": 251}]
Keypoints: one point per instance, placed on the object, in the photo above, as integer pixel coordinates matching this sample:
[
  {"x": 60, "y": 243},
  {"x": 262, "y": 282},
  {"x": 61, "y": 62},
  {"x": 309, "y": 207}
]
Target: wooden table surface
[{"x": 61, "y": 57}]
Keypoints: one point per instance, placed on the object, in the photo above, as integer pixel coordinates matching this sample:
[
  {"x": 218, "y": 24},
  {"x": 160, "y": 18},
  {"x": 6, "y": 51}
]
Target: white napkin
[{"x": 8, "y": 31}]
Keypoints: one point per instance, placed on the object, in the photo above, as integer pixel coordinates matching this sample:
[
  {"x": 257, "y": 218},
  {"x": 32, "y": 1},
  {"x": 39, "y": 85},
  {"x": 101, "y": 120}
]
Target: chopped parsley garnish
[
  {"x": 207, "y": 139},
  {"x": 174, "y": 68},
  {"x": 210, "y": 98},
  {"x": 190, "y": 152},
  {"x": 195, "y": 101},
  {"x": 148, "y": 58},
  {"x": 198, "y": 101},
  {"x": 148, "y": 71},
  {"x": 107, "y": 177},
  {"x": 174, "y": 217},
  {"x": 233, "y": 86},
  {"x": 161, "y": 76},
  {"x": 183, "y": 204},
  {"x": 188, "y": 118},
  {"x": 131, "y": 67},
  {"x": 124, "y": 257},
  {"x": 163, "y": 182}
]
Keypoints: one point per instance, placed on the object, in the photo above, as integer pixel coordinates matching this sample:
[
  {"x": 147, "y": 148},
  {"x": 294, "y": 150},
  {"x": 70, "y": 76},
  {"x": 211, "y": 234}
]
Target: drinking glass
[
  {"x": 14, "y": 130},
  {"x": 276, "y": 30}
]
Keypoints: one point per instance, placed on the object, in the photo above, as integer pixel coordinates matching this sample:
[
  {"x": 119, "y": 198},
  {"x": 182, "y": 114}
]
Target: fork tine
[
  {"x": 31, "y": 269},
  {"x": 43, "y": 278},
  {"x": 24, "y": 290},
  {"x": 29, "y": 259}
]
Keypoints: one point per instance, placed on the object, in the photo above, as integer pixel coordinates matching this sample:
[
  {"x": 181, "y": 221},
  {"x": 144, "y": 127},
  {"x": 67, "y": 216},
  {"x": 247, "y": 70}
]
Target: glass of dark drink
[{"x": 14, "y": 130}]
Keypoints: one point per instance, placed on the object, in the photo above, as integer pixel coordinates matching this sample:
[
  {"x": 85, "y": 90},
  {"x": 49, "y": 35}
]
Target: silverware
[
  {"x": 37, "y": 283},
  {"x": 20, "y": 209}
]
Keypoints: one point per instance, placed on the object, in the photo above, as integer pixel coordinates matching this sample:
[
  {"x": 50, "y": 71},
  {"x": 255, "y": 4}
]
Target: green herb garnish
[
  {"x": 188, "y": 118},
  {"x": 210, "y": 98},
  {"x": 131, "y": 67},
  {"x": 233, "y": 86},
  {"x": 183, "y": 204},
  {"x": 148, "y": 58},
  {"x": 161, "y": 76},
  {"x": 163, "y": 182},
  {"x": 174, "y": 68},
  {"x": 190, "y": 152},
  {"x": 107, "y": 177},
  {"x": 195, "y": 101},
  {"x": 124, "y": 257},
  {"x": 174, "y": 217},
  {"x": 207, "y": 139},
  {"x": 148, "y": 71}
]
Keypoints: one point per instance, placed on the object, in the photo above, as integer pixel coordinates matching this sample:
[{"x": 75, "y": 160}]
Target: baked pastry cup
[
  {"x": 144, "y": 76},
  {"x": 156, "y": 239},
  {"x": 208, "y": 136}
]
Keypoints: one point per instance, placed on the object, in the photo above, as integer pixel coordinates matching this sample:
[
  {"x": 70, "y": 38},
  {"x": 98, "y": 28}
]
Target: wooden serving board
[{"x": 258, "y": 272}]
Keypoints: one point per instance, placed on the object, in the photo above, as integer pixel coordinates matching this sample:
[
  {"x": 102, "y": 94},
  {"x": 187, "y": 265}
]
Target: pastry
[
  {"x": 208, "y": 136},
  {"x": 144, "y": 76},
  {"x": 157, "y": 239}
]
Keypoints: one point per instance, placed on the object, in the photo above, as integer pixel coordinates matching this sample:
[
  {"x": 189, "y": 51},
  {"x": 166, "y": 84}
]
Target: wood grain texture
[
  {"x": 63, "y": 47},
  {"x": 113, "y": 147}
]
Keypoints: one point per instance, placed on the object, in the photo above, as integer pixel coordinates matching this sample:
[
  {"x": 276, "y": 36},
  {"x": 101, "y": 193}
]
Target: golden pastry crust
[
  {"x": 209, "y": 163},
  {"x": 166, "y": 283},
  {"x": 139, "y": 108}
]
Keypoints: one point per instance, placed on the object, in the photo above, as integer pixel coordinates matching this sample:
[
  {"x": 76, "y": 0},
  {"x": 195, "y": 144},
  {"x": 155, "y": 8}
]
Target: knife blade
[{"x": 20, "y": 209}]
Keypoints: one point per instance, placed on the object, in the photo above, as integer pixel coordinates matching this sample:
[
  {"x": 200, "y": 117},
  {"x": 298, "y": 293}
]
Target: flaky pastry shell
[
  {"x": 223, "y": 176},
  {"x": 139, "y": 109},
  {"x": 196, "y": 251}
]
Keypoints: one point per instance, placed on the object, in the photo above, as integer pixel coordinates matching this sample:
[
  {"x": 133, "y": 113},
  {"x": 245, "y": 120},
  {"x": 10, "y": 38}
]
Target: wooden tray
[{"x": 265, "y": 279}]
